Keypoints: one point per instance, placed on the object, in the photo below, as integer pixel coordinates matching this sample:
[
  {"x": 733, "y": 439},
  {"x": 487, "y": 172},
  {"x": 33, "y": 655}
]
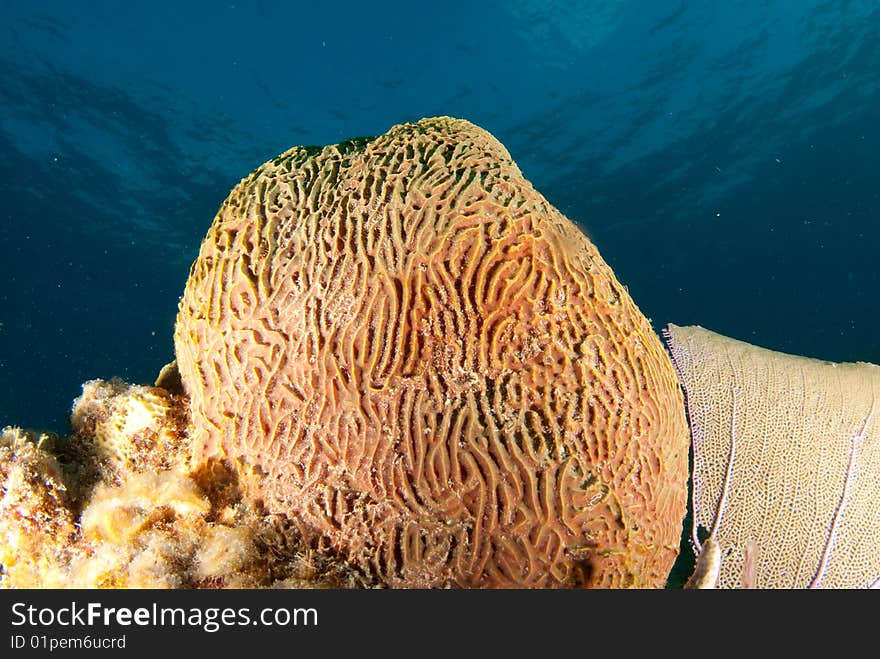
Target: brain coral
[{"x": 433, "y": 370}]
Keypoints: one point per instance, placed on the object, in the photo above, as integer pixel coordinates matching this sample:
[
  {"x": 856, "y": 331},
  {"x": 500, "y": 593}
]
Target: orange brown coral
[{"x": 432, "y": 370}]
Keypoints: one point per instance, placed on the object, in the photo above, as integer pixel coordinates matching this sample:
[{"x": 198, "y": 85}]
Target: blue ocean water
[{"x": 723, "y": 156}]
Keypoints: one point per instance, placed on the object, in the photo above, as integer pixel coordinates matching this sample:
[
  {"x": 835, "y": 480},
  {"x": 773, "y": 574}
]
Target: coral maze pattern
[{"x": 433, "y": 369}]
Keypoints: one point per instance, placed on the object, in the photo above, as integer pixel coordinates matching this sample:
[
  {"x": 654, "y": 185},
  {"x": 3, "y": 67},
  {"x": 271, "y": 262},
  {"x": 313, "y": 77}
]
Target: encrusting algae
[
  {"x": 37, "y": 523},
  {"x": 400, "y": 366},
  {"x": 116, "y": 506}
]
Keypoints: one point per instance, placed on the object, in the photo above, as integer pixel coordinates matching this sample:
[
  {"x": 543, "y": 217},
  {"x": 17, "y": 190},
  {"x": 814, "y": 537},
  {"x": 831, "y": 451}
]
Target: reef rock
[
  {"x": 37, "y": 525},
  {"x": 115, "y": 505},
  {"x": 404, "y": 348}
]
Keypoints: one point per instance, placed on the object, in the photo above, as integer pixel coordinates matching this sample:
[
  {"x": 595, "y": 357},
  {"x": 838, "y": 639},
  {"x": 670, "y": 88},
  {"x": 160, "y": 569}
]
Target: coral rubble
[{"x": 115, "y": 505}]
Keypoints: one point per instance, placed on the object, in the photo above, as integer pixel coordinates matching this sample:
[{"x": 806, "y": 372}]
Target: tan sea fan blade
[{"x": 798, "y": 442}]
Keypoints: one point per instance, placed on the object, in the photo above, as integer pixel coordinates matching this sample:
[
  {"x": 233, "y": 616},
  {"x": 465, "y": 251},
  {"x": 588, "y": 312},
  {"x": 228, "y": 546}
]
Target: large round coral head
[{"x": 432, "y": 370}]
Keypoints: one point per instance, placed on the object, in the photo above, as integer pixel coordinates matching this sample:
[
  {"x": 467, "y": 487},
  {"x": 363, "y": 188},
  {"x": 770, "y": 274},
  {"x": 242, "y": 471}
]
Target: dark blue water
[{"x": 724, "y": 159}]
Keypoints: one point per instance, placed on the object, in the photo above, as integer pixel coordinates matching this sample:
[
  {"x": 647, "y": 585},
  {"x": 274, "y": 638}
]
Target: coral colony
[{"x": 397, "y": 365}]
